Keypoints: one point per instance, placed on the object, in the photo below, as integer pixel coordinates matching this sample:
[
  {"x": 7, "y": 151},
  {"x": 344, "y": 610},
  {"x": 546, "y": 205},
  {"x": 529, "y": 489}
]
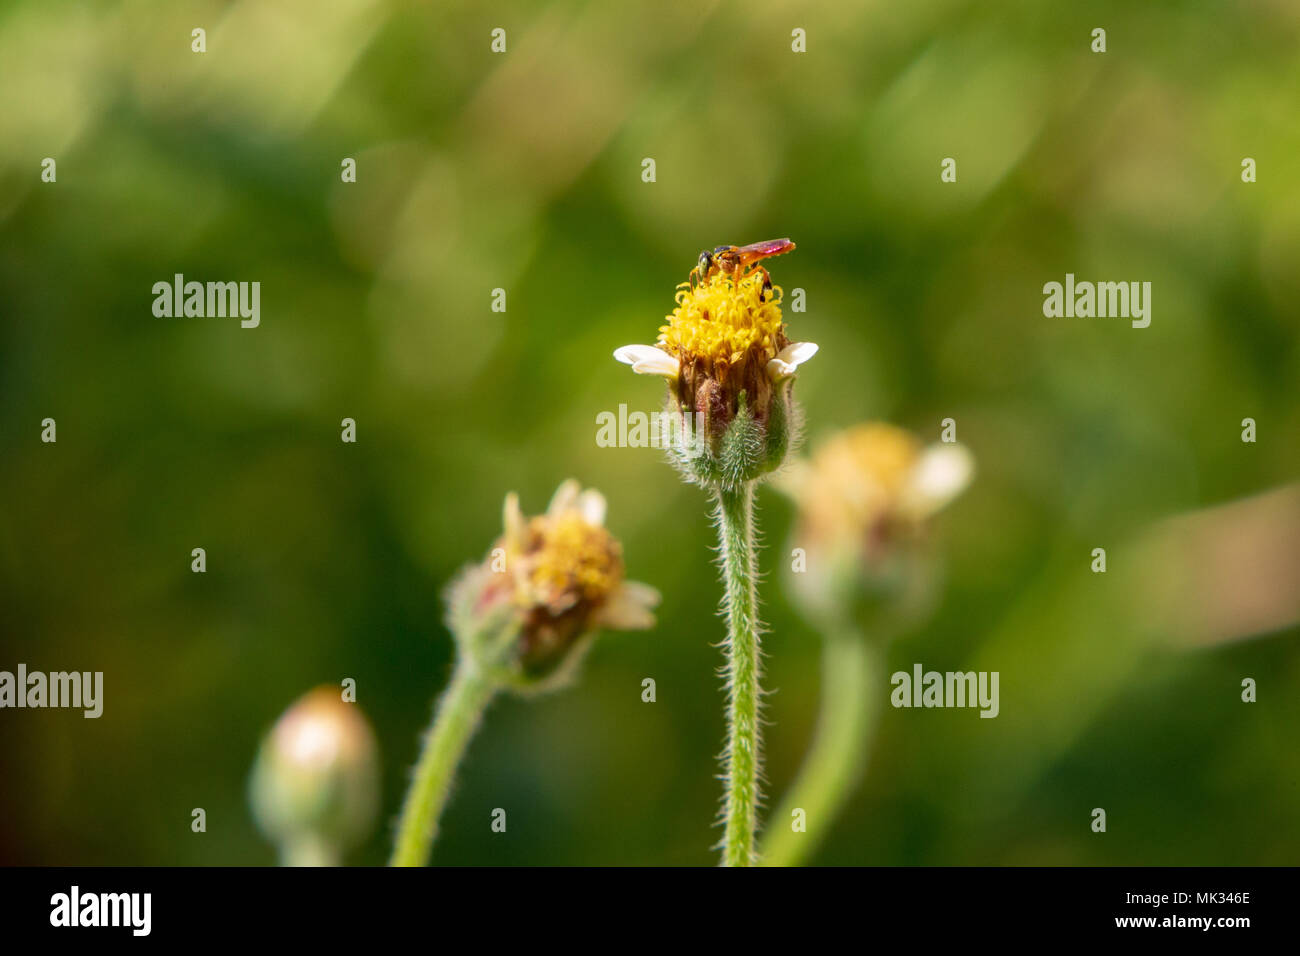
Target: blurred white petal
[
  {"x": 564, "y": 499},
  {"x": 591, "y": 504},
  {"x": 941, "y": 473},
  {"x": 513, "y": 520},
  {"x": 628, "y": 608}
]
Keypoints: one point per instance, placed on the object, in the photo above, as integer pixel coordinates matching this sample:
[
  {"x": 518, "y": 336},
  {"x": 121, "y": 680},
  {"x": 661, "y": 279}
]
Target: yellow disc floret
[
  {"x": 720, "y": 322},
  {"x": 857, "y": 479},
  {"x": 574, "y": 561}
]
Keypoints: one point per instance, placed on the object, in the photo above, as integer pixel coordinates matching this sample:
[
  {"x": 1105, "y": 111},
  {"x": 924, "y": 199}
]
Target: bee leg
[{"x": 766, "y": 291}]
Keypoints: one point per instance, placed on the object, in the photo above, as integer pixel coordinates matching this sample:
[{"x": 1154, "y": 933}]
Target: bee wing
[{"x": 764, "y": 250}]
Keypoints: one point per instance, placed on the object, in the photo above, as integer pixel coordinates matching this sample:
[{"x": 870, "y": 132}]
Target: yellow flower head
[
  {"x": 728, "y": 361},
  {"x": 563, "y": 559},
  {"x": 723, "y": 322},
  {"x": 559, "y": 577},
  {"x": 863, "y": 500},
  {"x": 871, "y": 483}
]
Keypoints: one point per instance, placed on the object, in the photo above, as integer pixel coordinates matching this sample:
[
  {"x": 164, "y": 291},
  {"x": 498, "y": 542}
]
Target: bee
[{"x": 737, "y": 261}]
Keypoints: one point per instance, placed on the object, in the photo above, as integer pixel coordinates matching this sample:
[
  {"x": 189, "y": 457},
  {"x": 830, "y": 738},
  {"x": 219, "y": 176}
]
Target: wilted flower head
[
  {"x": 864, "y": 500},
  {"x": 315, "y": 783},
  {"x": 729, "y": 365},
  {"x": 549, "y": 584}
]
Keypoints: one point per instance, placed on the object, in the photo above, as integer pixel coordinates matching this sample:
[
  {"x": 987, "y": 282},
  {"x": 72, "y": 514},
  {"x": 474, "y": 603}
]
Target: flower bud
[{"x": 315, "y": 783}]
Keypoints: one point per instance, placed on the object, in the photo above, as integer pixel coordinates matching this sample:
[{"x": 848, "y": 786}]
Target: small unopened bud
[{"x": 315, "y": 784}]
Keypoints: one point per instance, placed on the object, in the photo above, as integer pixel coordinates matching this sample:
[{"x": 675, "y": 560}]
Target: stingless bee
[{"x": 737, "y": 260}]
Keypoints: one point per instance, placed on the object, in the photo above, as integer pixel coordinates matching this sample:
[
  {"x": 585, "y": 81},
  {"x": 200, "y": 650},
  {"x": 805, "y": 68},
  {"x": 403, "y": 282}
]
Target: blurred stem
[
  {"x": 834, "y": 765},
  {"x": 735, "y": 518},
  {"x": 457, "y": 717},
  {"x": 308, "y": 850}
]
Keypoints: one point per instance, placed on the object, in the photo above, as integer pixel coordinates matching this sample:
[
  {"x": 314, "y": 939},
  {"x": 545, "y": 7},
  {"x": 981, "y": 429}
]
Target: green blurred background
[{"x": 523, "y": 171}]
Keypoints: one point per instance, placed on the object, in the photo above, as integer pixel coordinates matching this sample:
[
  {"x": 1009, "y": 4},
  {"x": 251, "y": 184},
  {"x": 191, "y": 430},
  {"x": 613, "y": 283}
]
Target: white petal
[
  {"x": 628, "y": 608},
  {"x": 796, "y": 353},
  {"x": 648, "y": 360},
  {"x": 643, "y": 594},
  {"x": 591, "y": 504},
  {"x": 631, "y": 354},
  {"x": 941, "y": 473},
  {"x": 789, "y": 359},
  {"x": 513, "y": 519},
  {"x": 564, "y": 498}
]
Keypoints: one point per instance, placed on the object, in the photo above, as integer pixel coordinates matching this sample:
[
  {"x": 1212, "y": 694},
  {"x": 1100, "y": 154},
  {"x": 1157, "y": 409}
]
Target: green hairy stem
[
  {"x": 735, "y": 519},
  {"x": 457, "y": 717}
]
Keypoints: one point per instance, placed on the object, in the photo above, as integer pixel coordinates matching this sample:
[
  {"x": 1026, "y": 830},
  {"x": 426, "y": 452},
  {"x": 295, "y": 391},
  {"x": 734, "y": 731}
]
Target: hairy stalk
[
  {"x": 850, "y": 667},
  {"x": 458, "y": 715},
  {"x": 735, "y": 518}
]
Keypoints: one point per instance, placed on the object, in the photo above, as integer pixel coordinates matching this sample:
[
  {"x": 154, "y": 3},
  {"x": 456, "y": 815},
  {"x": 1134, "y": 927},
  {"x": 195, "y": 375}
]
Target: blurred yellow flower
[
  {"x": 522, "y": 619},
  {"x": 559, "y": 577},
  {"x": 867, "y": 488}
]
